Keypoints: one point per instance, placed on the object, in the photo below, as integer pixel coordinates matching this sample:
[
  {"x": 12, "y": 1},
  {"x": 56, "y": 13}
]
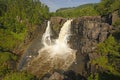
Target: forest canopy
[{"x": 16, "y": 17}]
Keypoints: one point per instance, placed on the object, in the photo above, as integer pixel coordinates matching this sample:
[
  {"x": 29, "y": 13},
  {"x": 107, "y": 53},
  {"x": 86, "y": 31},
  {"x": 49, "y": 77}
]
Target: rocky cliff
[{"x": 87, "y": 32}]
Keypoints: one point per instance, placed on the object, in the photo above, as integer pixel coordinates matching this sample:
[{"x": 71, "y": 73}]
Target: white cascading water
[
  {"x": 54, "y": 55},
  {"x": 65, "y": 32},
  {"x": 46, "y": 39},
  {"x": 61, "y": 44}
]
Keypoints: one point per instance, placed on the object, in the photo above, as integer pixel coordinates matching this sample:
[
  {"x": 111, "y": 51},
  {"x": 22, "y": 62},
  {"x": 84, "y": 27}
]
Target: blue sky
[{"x": 56, "y": 4}]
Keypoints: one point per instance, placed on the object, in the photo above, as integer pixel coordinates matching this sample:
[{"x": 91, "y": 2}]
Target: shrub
[
  {"x": 19, "y": 76},
  {"x": 5, "y": 66}
]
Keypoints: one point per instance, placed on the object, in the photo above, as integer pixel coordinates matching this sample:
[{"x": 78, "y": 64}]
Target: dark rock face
[
  {"x": 111, "y": 18},
  {"x": 107, "y": 18},
  {"x": 87, "y": 32},
  {"x": 57, "y": 23},
  {"x": 115, "y": 16},
  {"x": 61, "y": 75}
]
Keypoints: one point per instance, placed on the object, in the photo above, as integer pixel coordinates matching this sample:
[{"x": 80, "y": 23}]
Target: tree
[
  {"x": 107, "y": 6},
  {"x": 16, "y": 17}
]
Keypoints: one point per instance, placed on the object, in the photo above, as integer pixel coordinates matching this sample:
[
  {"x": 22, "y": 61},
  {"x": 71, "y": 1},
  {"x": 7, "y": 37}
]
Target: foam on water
[
  {"x": 55, "y": 54},
  {"x": 46, "y": 39},
  {"x": 60, "y": 46}
]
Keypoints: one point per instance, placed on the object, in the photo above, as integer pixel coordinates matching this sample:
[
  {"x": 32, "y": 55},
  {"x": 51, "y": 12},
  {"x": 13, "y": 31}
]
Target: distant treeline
[{"x": 102, "y": 8}]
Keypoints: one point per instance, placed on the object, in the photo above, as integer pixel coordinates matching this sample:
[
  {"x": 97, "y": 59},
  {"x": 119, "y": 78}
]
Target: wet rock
[
  {"x": 87, "y": 32},
  {"x": 56, "y": 76},
  {"x": 107, "y": 18},
  {"x": 93, "y": 56},
  {"x": 111, "y": 18},
  {"x": 66, "y": 75},
  {"x": 57, "y": 23}
]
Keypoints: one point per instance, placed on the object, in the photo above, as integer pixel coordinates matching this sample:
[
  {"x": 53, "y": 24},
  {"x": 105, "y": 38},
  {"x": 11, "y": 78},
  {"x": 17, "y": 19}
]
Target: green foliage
[
  {"x": 10, "y": 40},
  {"x": 103, "y": 8},
  {"x": 93, "y": 77},
  {"x": 7, "y": 73},
  {"x": 90, "y": 77},
  {"x": 5, "y": 66},
  {"x": 107, "y": 6},
  {"x": 109, "y": 46},
  {"x": 6, "y": 56},
  {"x": 104, "y": 63},
  {"x": 83, "y": 10},
  {"x": 16, "y": 18},
  {"x": 109, "y": 59},
  {"x": 19, "y": 76},
  {"x": 3, "y": 7}
]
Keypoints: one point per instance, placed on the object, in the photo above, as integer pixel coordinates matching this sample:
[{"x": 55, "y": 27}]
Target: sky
[{"x": 56, "y": 4}]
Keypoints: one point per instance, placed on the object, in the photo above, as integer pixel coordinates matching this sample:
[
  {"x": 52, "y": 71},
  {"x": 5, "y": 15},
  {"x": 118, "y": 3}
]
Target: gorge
[
  {"x": 83, "y": 37},
  {"x": 75, "y": 43}
]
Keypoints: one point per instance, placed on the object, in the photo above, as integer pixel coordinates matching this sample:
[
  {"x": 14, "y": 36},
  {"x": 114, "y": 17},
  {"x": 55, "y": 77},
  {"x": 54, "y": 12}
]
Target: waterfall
[
  {"x": 53, "y": 55},
  {"x": 61, "y": 44},
  {"x": 65, "y": 31},
  {"x": 46, "y": 39}
]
